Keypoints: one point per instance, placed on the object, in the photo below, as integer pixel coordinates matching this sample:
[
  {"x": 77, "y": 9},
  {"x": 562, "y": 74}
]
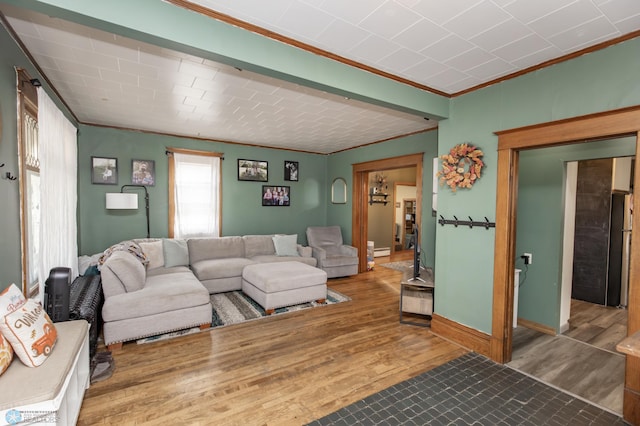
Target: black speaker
[{"x": 56, "y": 290}]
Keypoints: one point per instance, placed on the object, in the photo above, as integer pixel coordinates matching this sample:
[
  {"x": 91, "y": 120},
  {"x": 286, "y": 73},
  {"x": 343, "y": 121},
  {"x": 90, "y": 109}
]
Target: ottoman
[{"x": 278, "y": 284}]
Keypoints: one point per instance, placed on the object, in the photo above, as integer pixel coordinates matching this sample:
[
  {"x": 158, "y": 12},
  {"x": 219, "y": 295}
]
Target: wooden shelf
[{"x": 378, "y": 199}]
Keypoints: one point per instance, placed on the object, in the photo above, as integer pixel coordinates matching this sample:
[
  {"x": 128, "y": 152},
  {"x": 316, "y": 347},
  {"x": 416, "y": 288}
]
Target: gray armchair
[{"x": 335, "y": 258}]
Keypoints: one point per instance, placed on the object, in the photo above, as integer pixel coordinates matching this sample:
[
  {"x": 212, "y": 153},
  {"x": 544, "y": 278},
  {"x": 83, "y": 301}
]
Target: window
[
  {"x": 194, "y": 193},
  {"x": 30, "y": 182}
]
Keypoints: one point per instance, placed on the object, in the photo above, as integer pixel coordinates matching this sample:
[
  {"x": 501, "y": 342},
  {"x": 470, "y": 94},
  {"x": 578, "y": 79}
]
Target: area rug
[
  {"x": 471, "y": 390},
  {"x": 398, "y": 266},
  {"x": 234, "y": 307}
]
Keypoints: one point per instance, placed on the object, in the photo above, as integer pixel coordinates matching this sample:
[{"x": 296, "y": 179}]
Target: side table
[{"x": 416, "y": 297}]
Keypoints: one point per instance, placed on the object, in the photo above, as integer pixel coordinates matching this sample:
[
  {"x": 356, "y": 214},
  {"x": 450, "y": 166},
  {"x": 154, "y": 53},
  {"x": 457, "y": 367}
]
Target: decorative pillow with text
[
  {"x": 31, "y": 333},
  {"x": 10, "y": 299}
]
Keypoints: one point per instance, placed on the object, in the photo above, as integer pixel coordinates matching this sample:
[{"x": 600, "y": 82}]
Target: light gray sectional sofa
[{"x": 156, "y": 286}]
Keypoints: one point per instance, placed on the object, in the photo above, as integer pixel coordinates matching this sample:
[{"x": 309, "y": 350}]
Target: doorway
[
  {"x": 361, "y": 184},
  {"x": 617, "y": 123}
]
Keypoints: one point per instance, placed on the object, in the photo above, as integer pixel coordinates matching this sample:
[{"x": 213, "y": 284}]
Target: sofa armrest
[
  {"x": 349, "y": 251},
  {"x": 305, "y": 251}
]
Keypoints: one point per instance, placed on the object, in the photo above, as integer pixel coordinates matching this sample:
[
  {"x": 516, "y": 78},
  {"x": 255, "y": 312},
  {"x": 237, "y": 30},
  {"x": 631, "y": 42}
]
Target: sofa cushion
[
  {"x": 30, "y": 332},
  {"x": 163, "y": 270},
  {"x": 125, "y": 268},
  {"x": 175, "y": 253},
  {"x": 162, "y": 293},
  {"x": 220, "y": 268},
  {"x": 154, "y": 252},
  {"x": 215, "y": 248},
  {"x": 286, "y": 245},
  {"x": 258, "y": 245}
]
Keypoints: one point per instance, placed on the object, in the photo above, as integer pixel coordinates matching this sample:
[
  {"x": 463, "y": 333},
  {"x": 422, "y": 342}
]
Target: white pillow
[
  {"x": 153, "y": 251},
  {"x": 30, "y": 332},
  {"x": 10, "y": 299},
  {"x": 286, "y": 245}
]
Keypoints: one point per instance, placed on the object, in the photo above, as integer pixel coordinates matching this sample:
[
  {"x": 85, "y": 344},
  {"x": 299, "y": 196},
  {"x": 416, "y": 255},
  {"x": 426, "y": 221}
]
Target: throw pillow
[
  {"x": 286, "y": 245},
  {"x": 176, "y": 253},
  {"x": 129, "y": 271},
  {"x": 153, "y": 251},
  {"x": 6, "y": 354},
  {"x": 10, "y": 299},
  {"x": 31, "y": 333}
]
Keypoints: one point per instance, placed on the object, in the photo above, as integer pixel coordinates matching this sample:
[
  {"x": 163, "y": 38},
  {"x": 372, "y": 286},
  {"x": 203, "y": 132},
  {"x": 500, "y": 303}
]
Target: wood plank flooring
[
  {"x": 289, "y": 369},
  {"x": 583, "y": 360}
]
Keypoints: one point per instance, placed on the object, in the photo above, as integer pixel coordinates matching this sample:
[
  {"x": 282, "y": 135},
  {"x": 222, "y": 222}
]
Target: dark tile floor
[{"x": 471, "y": 390}]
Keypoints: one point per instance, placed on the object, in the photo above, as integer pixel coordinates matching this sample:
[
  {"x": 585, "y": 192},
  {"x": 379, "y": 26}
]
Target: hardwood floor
[
  {"x": 288, "y": 369},
  {"x": 583, "y": 360}
]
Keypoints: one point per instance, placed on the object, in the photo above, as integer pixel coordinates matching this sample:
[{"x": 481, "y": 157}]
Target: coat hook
[
  {"x": 11, "y": 177},
  {"x": 470, "y": 222},
  {"x": 456, "y": 222}
]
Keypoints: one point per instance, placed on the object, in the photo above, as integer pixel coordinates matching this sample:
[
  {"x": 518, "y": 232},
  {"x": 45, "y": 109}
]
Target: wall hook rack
[
  {"x": 470, "y": 223},
  {"x": 8, "y": 175}
]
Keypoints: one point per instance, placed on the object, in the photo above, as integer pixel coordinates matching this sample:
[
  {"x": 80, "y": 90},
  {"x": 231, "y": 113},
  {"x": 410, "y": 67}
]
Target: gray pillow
[
  {"x": 127, "y": 269},
  {"x": 176, "y": 253}
]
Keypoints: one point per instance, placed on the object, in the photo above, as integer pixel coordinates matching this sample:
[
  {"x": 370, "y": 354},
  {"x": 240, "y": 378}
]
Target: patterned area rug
[{"x": 235, "y": 307}]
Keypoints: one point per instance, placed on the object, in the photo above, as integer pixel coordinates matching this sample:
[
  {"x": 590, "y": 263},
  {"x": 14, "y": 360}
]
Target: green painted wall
[
  {"x": 599, "y": 81},
  {"x": 242, "y": 212},
  {"x": 540, "y": 222},
  {"x": 340, "y": 165}
]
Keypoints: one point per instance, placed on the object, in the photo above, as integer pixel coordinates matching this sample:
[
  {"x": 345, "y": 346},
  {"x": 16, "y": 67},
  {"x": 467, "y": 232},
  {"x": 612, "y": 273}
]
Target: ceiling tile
[
  {"x": 352, "y": 11},
  {"x": 527, "y": 11},
  {"x": 470, "y": 59},
  {"x": 567, "y": 17},
  {"x": 402, "y": 59},
  {"x": 619, "y": 10},
  {"x": 389, "y": 20},
  {"x": 491, "y": 69},
  {"x": 522, "y": 47},
  {"x": 374, "y": 48},
  {"x": 434, "y": 10},
  {"x": 584, "y": 35},
  {"x": 476, "y": 20},
  {"x": 496, "y": 37},
  {"x": 339, "y": 33},
  {"x": 301, "y": 20},
  {"x": 421, "y": 34},
  {"x": 447, "y": 48}
]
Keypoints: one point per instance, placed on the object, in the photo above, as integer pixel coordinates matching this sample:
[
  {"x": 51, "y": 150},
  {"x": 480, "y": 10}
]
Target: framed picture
[
  {"x": 143, "y": 172},
  {"x": 291, "y": 170},
  {"x": 253, "y": 170},
  {"x": 104, "y": 170},
  {"x": 279, "y": 196}
]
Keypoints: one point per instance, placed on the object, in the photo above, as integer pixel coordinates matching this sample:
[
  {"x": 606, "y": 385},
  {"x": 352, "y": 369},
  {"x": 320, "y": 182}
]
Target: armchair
[{"x": 335, "y": 258}]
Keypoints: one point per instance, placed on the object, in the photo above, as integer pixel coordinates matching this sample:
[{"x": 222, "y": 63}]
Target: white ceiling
[{"x": 449, "y": 46}]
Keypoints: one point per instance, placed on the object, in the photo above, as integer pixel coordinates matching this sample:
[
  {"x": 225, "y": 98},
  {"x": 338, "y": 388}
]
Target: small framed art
[
  {"x": 143, "y": 172},
  {"x": 253, "y": 170},
  {"x": 104, "y": 170},
  {"x": 279, "y": 196},
  {"x": 291, "y": 171}
]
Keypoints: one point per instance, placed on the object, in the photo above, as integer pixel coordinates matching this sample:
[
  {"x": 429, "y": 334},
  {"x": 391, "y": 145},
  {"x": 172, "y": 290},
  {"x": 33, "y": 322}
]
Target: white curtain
[
  {"x": 197, "y": 198},
  {"x": 57, "y": 140}
]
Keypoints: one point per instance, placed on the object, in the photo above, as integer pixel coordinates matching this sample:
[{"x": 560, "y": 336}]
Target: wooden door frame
[
  {"x": 610, "y": 124},
  {"x": 360, "y": 211}
]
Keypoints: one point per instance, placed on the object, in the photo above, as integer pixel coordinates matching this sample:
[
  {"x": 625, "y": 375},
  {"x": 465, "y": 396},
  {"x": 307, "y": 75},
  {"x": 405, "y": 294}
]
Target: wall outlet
[{"x": 528, "y": 258}]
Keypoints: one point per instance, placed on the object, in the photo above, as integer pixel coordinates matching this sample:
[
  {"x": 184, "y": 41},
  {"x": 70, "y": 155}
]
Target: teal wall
[
  {"x": 540, "y": 218},
  {"x": 340, "y": 165},
  {"x": 599, "y": 81},
  {"x": 242, "y": 210}
]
